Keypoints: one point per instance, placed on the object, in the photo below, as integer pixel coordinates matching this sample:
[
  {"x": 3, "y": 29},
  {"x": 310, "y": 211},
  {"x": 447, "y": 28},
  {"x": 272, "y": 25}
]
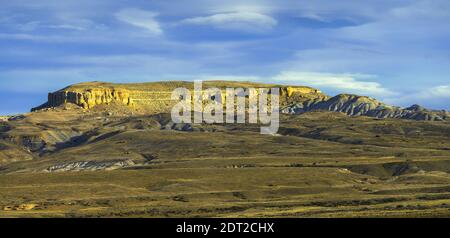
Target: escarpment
[
  {"x": 88, "y": 98},
  {"x": 4, "y": 118},
  {"x": 155, "y": 97}
]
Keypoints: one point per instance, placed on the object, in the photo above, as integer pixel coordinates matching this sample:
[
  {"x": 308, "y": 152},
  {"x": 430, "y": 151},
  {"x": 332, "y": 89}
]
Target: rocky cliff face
[
  {"x": 88, "y": 98},
  {"x": 156, "y": 98},
  {"x": 354, "y": 105},
  {"x": 4, "y": 118}
]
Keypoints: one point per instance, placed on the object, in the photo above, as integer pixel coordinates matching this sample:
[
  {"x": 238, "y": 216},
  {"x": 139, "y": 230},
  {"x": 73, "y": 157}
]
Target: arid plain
[{"x": 117, "y": 158}]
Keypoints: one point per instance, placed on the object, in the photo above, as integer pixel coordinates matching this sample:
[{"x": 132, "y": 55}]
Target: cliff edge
[{"x": 155, "y": 97}]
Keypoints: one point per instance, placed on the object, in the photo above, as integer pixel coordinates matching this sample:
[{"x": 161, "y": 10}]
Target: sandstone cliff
[
  {"x": 156, "y": 98},
  {"x": 4, "y": 118},
  {"x": 88, "y": 98}
]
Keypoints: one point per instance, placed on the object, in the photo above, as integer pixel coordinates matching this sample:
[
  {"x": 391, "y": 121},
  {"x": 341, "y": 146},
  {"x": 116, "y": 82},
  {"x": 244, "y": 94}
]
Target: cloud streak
[
  {"x": 436, "y": 97},
  {"x": 342, "y": 82},
  {"x": 140, "y": 18},
  {"x": 439, "y": 91},
  {"x": 239, "y": 21},
  {"x": 362, "y": 47}
]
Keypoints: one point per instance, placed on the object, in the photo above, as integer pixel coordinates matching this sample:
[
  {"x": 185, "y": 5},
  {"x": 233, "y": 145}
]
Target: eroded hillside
[
  {"x": 151, "y": 98},
  {"x": 115, "y": 160}
]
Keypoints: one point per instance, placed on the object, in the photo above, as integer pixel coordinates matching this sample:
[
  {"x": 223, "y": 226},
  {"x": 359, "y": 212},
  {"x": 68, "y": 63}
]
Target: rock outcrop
[
  {"x": 4, "y": 118},
  {"x": 291, "y": 91},
  {"x": 354, "y": 105},
  {"x": 90, "y": 165},
  {"x": 21, "y": 207},
  {"x": 88, "y": 98},
  {"x": 156, "y": 98}
]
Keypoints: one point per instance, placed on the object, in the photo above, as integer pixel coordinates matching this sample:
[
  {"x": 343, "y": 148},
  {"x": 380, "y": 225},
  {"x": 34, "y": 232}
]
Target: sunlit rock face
[
  {"x": 156, "y": 98},
  {"x": 88, "y": 98}
]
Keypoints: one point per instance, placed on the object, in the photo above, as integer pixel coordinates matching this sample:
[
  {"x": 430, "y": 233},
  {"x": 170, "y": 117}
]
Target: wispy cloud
[
  {"x": 240, "y": 21},
  {"x": 404, "y": 43},
  {"x": 354, "y": 83},
  {"x": 140, "y": 18},
  {"x": 442, "y": 91},
  {"x": 435, "y": 97},
  {"x": 76, "y": 24}
]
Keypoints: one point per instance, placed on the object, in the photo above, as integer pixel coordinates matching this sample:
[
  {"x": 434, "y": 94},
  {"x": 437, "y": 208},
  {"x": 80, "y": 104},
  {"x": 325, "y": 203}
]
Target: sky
[{"x": 397, "y": 51}]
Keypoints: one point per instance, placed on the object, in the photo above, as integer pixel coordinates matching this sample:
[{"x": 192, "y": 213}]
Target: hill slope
[
  {"x": 355, "y": 105},
  {"x": 155, "y": 98},
  {"x": 91, "y": 153}
]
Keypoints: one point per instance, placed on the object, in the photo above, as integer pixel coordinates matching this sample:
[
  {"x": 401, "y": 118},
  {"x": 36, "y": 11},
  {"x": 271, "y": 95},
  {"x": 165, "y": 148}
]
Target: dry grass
[{"x": 321, "y": 165}]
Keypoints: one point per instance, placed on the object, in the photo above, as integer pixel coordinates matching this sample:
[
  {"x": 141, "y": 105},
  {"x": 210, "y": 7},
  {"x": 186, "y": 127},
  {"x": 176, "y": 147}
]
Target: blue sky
[{"x": 397, "y": 51}]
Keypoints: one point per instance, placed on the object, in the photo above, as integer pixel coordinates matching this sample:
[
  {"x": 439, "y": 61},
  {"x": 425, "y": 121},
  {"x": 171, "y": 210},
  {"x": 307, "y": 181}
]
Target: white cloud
[
  {"x": 349, "y": 83},
  {"x": 241, "y": 21},
  {"x": 435, "y": 97},
  {"x": 423, "y": 9},
  {"x": 40, "y": 38},
  {"x": 439, "y": 91},
  {"x": 140, "y": 18},
  {"x": 76, "y": 24},
  {"x": 239, "y": 6},
  {"x": 67, "y": 27}
]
